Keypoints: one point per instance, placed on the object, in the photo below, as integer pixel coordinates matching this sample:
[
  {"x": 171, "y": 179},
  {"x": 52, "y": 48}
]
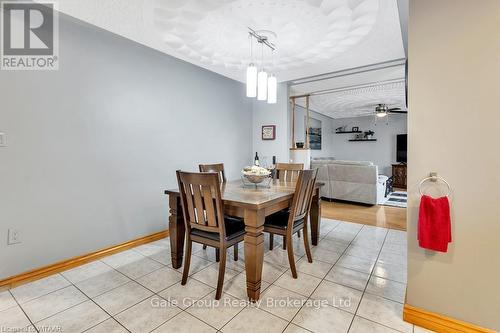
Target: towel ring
[{"x": 434, "y": 178}]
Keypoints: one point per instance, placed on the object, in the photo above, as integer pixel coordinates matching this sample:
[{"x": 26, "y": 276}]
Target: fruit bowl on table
[{"x": 255, "y": 174}]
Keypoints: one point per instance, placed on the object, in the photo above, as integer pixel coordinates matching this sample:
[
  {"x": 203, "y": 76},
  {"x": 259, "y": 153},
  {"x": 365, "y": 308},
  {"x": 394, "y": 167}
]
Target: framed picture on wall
[{"x": 268, "y": 132}]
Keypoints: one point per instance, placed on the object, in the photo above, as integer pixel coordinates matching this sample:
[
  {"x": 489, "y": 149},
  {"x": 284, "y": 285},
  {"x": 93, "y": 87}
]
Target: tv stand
[{"x": 399, "y": 173}]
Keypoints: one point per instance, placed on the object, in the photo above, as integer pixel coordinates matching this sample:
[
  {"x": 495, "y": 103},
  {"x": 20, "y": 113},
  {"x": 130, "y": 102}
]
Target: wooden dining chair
[
  {"x": 204, "y": 220},
  {"x": 218, "y": 168},
  {"x": 286, "y": 223},
  {"x": 286, "y": 172}
]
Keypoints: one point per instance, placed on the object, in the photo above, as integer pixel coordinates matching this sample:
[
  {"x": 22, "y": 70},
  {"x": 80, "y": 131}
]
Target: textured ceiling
[
  {"x": 355, "y": 95},
  {"x": 313, "y": 36}
]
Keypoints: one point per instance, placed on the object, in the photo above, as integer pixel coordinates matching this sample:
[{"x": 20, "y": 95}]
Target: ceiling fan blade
[
  {"x": 394, "y": 109},
  {"x": 398, "y": 111}
]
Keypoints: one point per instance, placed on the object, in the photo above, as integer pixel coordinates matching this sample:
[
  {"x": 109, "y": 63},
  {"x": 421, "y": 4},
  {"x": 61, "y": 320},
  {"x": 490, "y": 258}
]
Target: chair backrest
[
  {"x": 289, "y": 171},
  {"x": 201, "y": 201},
  {"x": 304, "y": 190},
  {"x": 218, "y": 168}
]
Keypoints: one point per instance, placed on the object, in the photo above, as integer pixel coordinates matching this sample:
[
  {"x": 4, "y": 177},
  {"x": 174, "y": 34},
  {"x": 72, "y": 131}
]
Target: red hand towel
[{"x": 434, "y": 223}]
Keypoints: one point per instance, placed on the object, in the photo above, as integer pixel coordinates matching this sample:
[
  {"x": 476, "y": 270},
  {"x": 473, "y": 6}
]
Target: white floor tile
[
  {"x": 348, "y": 277},
  {"x": 6, "y": 300},
  {"x": 246, "y": 321},
  {"x": 13, "y": 319},
  {"x": 122, "y": 258},
  {"x": 392, "y": 272},
  {"x": 387, "y": 288},
  {"x": 39, "y": 288},
  {"x": 317, "y": 268},
  {"x": 160, "y": 279},
  {"x": 108, "y": 326},
  {"x": 184, "y": 296},
  {"x": 418, "y": 329},
  {"x": 139, "y": 268},
  {"x": 210, "y": 275},
  {"x": 362, "y": 252},
  {"x": 330, "y": 245},
  {"x": 326, "y": 319},
  {"x": 325, "y": 255},
  {"x": 237, "y": 286},
  {"x": 100, "y": 284},
  {"x": 362, "y": 325},
  {"x": 304, "y": 284},
  {"x": 163, "y": 257},
  {"x": 281, "y": 302},
  {"x": 151, "y": 249},
  {"x": 383, "y": 311},
  {"x": 271, "y": 272},
  {"x": 147, "y": 315},
  {"x": 123, "y": 297},
  {"x": 214, "y": 312},
  {"x": 76, "y": 319},
  {"x": 184, "y": 323},
  {"x": 50, "y": 304},
  {"x": 292, "y": 328},
  {"x": 196, "y": 265},
  {"x": 357, "y": 264},
  {"x": 339, "y": 296},
  {"x": 86, "y": 271}
]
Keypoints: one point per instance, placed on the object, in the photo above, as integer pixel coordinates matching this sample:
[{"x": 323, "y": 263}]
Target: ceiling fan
[{"x": 382, "y": 110}]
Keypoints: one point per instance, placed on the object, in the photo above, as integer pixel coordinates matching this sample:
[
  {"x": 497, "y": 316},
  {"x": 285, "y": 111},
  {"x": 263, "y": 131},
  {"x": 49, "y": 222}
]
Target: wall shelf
[
  {"x": 360, "y": 140},
  {"x": 348, "y": 132}
]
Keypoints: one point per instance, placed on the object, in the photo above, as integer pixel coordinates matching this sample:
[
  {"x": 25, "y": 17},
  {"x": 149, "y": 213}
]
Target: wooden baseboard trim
[
  {"x": 439, "y": 323},
  {"x": 60, "y": 266}
]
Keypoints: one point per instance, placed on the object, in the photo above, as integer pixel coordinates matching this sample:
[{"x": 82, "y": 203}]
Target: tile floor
[{"x": 355, "y": 284}]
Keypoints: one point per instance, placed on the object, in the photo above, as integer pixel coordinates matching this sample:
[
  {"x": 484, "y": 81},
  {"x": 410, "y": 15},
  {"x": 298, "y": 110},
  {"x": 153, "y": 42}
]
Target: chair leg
[
  {"x": 284, "y": 242},
  {"x": 271, "y": 242},
  {"x": 217, "y": 255},
  {"x": 222, "y": 270},
  {"x": 298, "y": 234},
  {"x": 291, "y": 258},
  {"x": 235, "y": 254},
  {"x": 204, "y": 246},
  {"x": 306, "y": 243},
  {"x": 187, "y": 261}
]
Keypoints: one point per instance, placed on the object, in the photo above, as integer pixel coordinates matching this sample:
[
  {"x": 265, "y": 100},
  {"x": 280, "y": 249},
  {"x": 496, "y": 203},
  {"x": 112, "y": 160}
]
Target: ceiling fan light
[
  {"x": 272, "y": 89},
  {"x": 381, "y": 114},
  {"x": 262, "y": 85},
  {"x": 251, "y": 81}
]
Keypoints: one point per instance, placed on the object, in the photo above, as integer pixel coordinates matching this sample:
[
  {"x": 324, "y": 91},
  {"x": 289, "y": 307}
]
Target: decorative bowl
[{"x": 255, "y": 174}]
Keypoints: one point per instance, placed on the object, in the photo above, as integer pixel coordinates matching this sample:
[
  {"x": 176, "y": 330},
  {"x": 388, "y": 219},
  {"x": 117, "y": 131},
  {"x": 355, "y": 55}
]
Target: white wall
[
  {"x": 381, "y": 152},
  {"x": 92, "y": 147},
  {"x": 272, "y": 114},
  {"x": 454, "y": 123}
]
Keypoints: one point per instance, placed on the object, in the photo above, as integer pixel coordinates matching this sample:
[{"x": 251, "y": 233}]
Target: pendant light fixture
[
  {"x": 251, "y": 73},
  {"x": 258, "y": 82}
]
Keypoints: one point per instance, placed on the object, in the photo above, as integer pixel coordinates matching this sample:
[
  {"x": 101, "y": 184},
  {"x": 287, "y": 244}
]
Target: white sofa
[{"x": 356, "y": 181}]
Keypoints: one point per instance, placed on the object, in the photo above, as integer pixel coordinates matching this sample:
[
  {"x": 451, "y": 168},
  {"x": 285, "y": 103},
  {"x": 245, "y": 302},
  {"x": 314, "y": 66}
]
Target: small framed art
[{"x": 268, "y": 132}]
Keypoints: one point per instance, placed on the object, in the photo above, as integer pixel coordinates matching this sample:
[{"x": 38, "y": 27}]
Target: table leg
[
  {"x": 254, "y": 251},
  {"x": 315, "y": 217},
  {"x": 176, "y": 230}
]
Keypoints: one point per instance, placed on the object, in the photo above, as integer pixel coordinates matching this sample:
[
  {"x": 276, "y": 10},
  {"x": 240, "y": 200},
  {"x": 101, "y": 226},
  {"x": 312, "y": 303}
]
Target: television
[{"x": 401, "y": 148}]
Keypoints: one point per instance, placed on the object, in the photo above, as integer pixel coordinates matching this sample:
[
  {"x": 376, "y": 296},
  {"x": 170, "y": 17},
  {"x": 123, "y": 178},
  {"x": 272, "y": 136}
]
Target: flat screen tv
[{"x": 401, "y": 148}]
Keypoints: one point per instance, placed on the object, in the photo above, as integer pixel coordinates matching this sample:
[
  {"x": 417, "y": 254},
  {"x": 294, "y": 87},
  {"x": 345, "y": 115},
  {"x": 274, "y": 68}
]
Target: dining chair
[
  {"x": 286, "y": 223},
  {"x": 286, "y": 172},
  {"x": 204, "y": 219},
  {"x": 219, "y": 169}
]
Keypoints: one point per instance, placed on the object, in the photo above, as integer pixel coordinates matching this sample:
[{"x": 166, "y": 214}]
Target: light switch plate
[{"x": 3, "y": 140}]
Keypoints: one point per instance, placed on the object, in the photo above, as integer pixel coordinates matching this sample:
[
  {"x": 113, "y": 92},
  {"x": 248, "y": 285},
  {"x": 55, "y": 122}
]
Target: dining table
[{"x": 252, "y": 204}]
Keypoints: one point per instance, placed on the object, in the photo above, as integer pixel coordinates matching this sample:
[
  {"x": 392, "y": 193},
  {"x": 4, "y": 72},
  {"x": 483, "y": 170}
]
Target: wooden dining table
[{"x": 253, "y": 204}]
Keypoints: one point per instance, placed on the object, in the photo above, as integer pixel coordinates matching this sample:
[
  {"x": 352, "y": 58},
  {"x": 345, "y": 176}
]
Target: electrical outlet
[
  {"x": 3, "y": 140},
  {"x": 14, "y": 237}
]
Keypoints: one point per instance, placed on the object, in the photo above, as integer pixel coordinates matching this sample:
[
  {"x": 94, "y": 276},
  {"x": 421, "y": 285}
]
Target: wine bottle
[{"x": 256, "y": 159}]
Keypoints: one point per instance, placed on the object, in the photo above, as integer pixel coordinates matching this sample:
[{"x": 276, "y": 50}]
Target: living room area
[{"x": 357, "y": 140}]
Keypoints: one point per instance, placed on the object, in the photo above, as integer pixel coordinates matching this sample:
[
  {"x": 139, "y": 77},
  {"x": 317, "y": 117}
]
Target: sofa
[{"x": 355, "y": 181}]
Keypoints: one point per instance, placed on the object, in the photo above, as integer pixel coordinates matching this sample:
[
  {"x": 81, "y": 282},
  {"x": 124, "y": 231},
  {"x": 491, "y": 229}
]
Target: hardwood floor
[{"x": 380, "y": 216}]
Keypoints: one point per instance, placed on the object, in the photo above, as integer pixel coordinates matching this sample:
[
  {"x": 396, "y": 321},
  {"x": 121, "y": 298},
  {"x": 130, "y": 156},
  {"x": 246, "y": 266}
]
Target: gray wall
[
  {"x": 326, "y": 131},
  {"x": 382, "y": 152},
  {"x": 91, "y": 147},
  {"x": 453, "y": 130}
]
